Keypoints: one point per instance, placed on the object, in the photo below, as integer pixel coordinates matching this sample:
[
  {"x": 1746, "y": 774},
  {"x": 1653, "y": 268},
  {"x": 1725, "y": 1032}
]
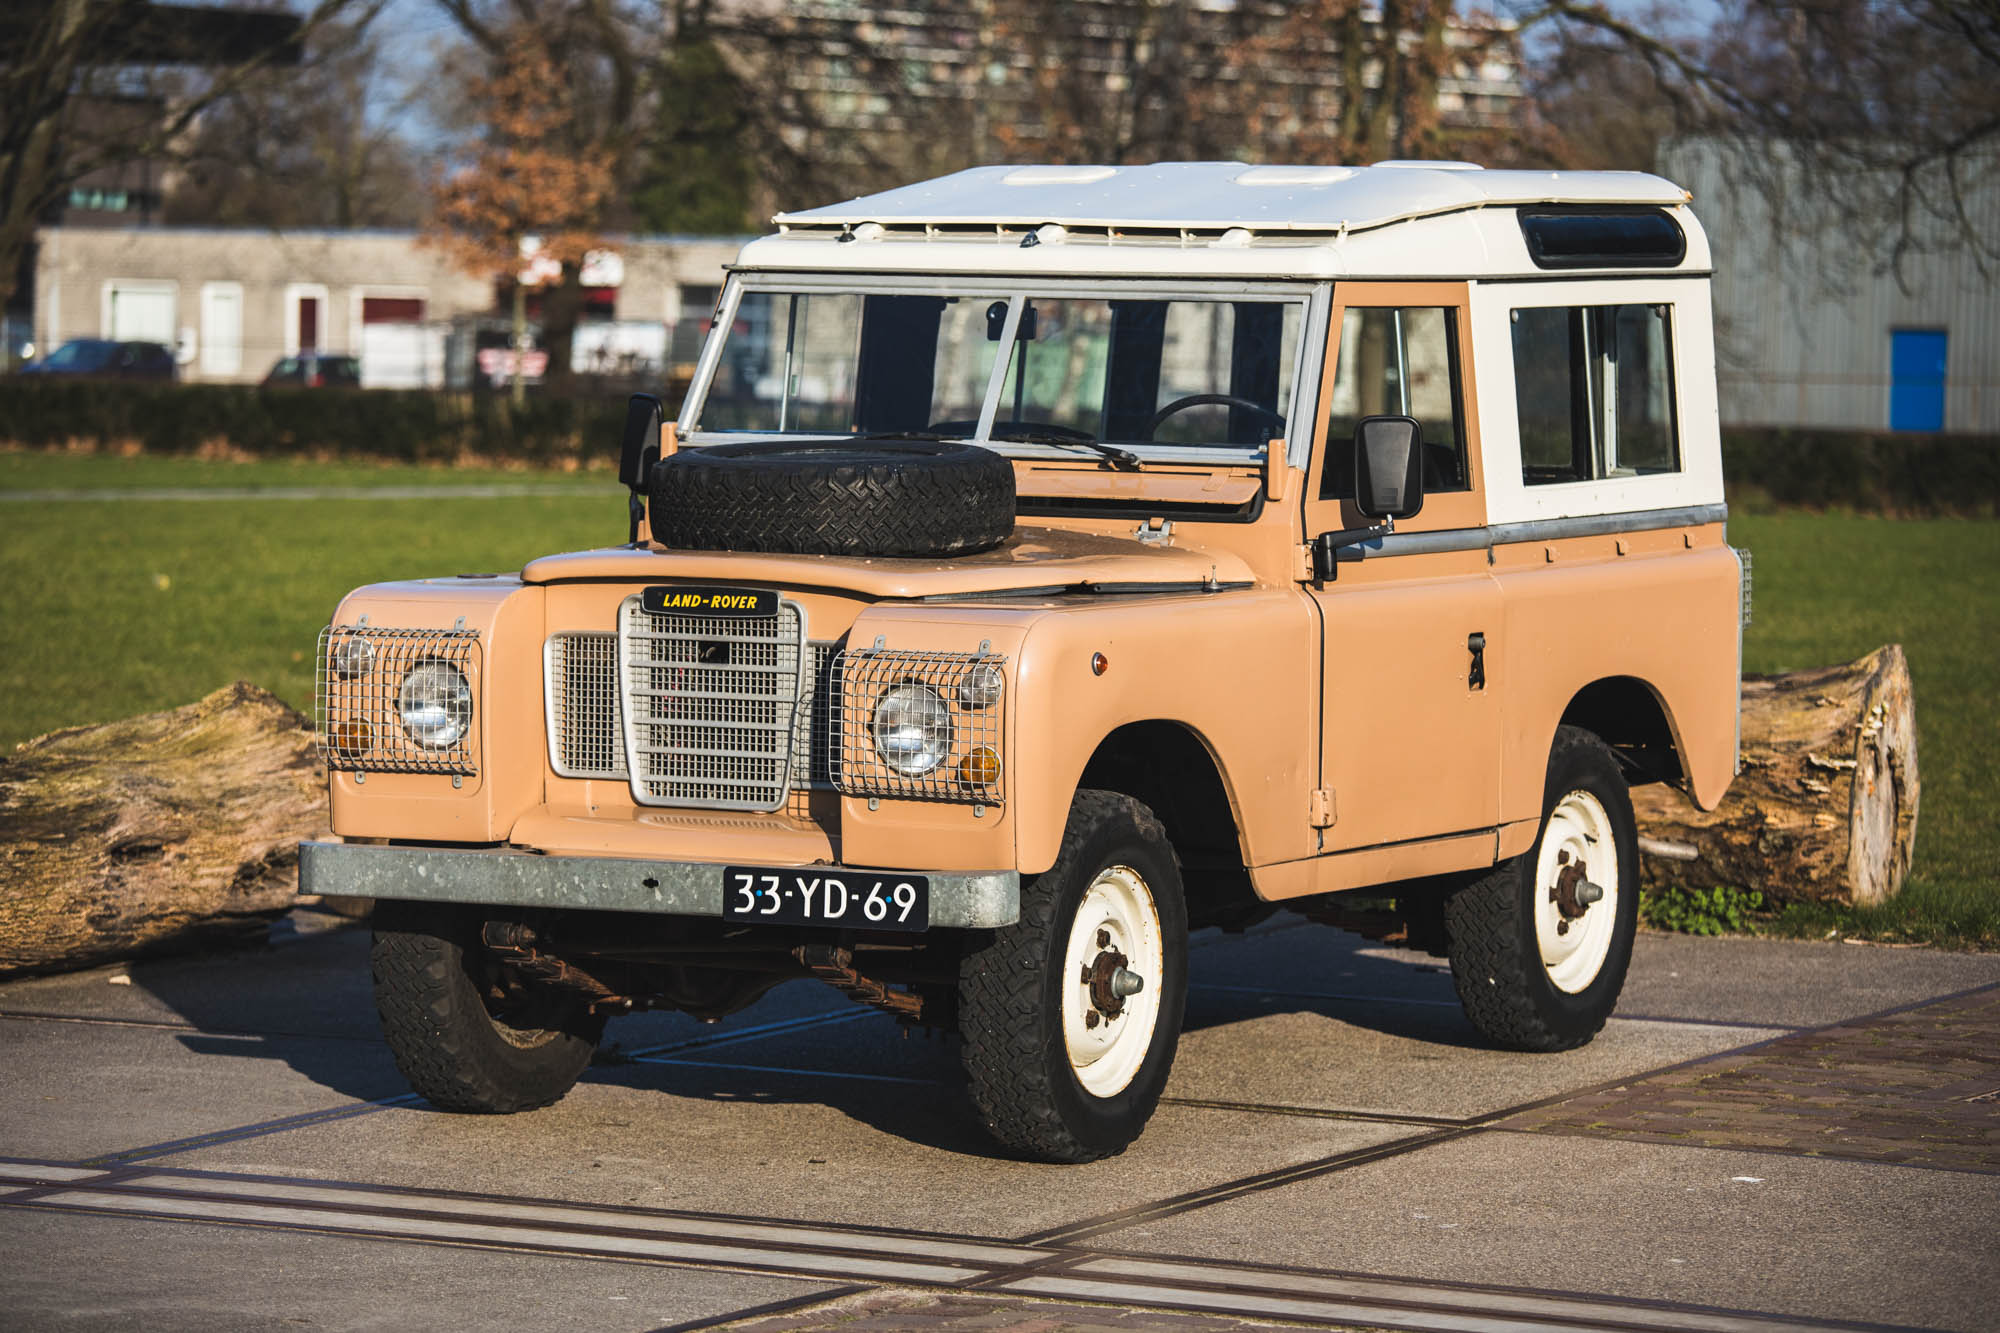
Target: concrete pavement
[{"x": 1757, "y": 1140}]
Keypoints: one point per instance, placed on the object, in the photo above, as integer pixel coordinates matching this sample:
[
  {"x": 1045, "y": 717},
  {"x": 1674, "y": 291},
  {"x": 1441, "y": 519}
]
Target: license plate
[{"x": 856, "y": 899}]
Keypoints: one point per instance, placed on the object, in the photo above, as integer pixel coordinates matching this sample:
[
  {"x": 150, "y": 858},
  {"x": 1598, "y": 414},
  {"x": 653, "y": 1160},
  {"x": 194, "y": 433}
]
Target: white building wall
[{"x": 244, "y": 288}]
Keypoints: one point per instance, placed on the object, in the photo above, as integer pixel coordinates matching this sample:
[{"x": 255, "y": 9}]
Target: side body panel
[
  {"x": 1410, "y": 747},
  {"x": 1236, "y": 668}
]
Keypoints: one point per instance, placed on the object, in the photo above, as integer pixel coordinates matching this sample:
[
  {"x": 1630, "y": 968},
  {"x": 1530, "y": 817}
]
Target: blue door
[{"x": 1916, "y": 379}]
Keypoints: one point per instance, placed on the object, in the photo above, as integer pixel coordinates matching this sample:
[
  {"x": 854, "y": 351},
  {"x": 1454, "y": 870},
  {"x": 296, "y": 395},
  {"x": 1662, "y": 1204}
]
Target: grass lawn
[{"x": 124, "y": 606}]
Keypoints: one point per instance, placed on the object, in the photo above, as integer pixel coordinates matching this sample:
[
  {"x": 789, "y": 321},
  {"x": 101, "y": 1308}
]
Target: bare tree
[
  {"x": 1886, "y": 117},
  {"x": 148, "y": 73},
  {"x": 303, "y": 147}
]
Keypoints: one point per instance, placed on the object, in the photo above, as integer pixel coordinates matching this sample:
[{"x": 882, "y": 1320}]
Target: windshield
[{"x": 1179, "y": 370}]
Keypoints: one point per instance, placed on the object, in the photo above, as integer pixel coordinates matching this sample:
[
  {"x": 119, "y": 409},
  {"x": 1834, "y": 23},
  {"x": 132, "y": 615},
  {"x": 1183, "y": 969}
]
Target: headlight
[
  {"x": 912, "y": 729},
  {"x": 981, "y": 686},
  {"x": 352, "y": 657},
  {"x": 435, "y": 704}
]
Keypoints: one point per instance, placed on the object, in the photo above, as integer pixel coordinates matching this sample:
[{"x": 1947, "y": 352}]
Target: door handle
[{"x": 1475, "y": 677}]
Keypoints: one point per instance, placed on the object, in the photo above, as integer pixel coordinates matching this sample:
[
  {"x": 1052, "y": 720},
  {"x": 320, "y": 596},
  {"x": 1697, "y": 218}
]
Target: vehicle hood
[{"x": 1033, "y": 558}]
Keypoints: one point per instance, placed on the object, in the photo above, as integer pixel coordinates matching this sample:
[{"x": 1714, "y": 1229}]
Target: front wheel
[
  {"x": 459, "y": 1049},
  {"x": 1539, "y": 947},
  {"x": 1070, "y": 1016}
]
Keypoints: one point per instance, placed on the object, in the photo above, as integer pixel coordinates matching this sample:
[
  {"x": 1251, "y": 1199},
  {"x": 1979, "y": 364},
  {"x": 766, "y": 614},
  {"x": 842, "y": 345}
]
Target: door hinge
[{"x": 1320, "y": 813}]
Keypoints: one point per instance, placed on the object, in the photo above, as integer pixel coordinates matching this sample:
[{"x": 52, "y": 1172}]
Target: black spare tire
[{"x": 833, "y": 497}]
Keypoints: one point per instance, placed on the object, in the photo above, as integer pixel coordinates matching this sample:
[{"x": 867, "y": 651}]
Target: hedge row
[
  {"x": 1863, "y": 471},
  {"x": 410, "y": 426},
  {"x": 1814, "y": 469}
]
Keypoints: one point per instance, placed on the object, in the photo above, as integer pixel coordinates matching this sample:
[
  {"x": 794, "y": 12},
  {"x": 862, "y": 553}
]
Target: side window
[
  {"x": 1397, "y": 361},
  {"x": 1595, "y": 393}
]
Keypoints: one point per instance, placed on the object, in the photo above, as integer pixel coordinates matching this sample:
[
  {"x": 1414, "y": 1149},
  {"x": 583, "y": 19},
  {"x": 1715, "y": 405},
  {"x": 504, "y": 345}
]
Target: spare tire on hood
[{"x": 833, "y": 497}]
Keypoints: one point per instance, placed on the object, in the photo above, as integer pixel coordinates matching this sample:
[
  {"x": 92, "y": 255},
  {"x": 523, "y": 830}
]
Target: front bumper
[{"x": 507, "y": 878}]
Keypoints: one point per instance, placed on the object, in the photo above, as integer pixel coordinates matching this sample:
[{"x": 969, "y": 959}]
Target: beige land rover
[{"x": 1050, "y": 561}]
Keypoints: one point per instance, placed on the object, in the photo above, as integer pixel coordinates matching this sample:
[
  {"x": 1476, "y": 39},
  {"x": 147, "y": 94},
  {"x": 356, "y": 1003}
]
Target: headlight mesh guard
[
  {"x": 863, "y": 676},
  {"x": 357, "y": 725}
]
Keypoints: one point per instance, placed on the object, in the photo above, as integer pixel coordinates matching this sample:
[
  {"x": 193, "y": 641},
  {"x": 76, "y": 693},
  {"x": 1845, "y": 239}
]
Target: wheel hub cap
[
  {"x": 1576, "y": 901},
  {"x": 1109, "y": 1011}
]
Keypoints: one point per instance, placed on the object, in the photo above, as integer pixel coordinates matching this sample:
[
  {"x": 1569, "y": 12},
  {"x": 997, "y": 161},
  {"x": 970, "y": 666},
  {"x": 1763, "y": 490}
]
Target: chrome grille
[
  {"x": 814, "y": 732},
  {"x": 360, "y": 675},
  {"x": 710, "y": 705},
  {"x": 586, "y": 720}
]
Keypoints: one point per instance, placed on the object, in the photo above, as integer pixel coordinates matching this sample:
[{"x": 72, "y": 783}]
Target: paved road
[{"x": 1770, "y": 1135}]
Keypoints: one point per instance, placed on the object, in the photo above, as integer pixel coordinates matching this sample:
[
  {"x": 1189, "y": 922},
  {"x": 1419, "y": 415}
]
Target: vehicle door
[{"x": 1410, "y": 737}]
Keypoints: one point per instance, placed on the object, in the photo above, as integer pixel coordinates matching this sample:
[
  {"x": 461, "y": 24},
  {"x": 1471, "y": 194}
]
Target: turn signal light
[
  {"x": 980, "y": 767},
  {"x": 351, "y": 737}
]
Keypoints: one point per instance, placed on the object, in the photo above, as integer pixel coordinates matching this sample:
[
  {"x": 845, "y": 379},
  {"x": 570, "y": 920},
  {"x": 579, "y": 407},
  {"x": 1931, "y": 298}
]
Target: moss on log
[
  {"x": 169, "y": 831},
  {"x": 1825, "y": 807}
]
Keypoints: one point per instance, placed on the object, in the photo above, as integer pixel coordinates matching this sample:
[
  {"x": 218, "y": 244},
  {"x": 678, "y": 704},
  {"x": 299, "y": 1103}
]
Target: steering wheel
[{"x": 1276, "y": 420}]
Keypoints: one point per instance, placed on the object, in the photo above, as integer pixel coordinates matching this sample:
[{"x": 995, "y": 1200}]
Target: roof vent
[
  {"x": 1418, "y": 164},
  {"x": 1293, "y": 175},
  {"x": 1057, "y": 175}
]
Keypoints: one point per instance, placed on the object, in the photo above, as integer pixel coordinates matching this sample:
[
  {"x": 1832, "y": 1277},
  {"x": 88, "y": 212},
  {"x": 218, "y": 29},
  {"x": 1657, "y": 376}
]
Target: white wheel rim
[
  {"x": 1577, "y": 844},
  {"x": 1117, "y": 914}
]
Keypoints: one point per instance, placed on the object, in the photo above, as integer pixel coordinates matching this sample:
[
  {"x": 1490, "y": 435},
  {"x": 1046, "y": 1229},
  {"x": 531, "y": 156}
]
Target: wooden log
[
  {"x": 169, "y": 831},
  {"x": 1825, "y": 807}
]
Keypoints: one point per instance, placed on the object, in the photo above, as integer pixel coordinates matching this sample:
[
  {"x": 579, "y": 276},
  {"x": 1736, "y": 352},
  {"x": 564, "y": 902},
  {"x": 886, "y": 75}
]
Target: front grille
[
  {"x": 711, "y": 705},
  {"x": 586, "y": 721},
  {"x": 364, "y": 680}
]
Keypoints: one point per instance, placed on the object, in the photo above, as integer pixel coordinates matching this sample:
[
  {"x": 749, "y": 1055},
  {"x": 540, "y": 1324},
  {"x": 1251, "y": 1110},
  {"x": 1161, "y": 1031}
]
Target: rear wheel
[
  {"x": 460, "y": 1050},
  {"x": 1539, "y": 947},
  {"x": 1071, "y": 1015}
]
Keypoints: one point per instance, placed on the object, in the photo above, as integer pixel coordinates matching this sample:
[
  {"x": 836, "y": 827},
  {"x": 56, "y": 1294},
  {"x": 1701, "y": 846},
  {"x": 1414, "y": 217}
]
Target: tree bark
[
  {"x": 1825, "y": 807},
  {"x": 165, "y": 832}
]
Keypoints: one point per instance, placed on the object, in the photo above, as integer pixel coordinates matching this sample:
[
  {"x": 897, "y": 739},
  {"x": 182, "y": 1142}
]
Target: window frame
[
  {"x": 1600, "y": 447},
  {"x": 1311, "y": 296},
  {"x": 1442, "y": 509}
]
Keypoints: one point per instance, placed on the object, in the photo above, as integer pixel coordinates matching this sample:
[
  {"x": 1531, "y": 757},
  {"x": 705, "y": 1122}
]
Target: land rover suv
[{"x": 1047, "y": 562}]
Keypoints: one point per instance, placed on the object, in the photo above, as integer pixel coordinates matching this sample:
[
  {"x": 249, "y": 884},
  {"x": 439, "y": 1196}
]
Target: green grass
[
  {"x": 125, "y": 606},
  {"x": 1830, "y": 588}
]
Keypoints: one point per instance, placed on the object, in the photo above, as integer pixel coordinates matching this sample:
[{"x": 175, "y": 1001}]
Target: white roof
[{"x": 1220, "y": 195}]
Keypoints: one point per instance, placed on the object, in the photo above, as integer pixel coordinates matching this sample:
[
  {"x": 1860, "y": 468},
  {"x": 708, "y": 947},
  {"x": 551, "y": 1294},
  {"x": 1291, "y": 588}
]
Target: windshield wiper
[
  {"x": 1123, "y": 459},
  {"x": 927, "y": 435}
]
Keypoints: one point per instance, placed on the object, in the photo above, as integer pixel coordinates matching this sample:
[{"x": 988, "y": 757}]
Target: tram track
[{"x": 852, "y": 1257}]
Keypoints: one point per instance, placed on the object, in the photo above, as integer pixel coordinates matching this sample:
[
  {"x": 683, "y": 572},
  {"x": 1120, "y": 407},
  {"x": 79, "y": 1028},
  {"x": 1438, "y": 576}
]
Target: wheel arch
[
  {"x": 1634, "y": 719},
  {"x": 1173, "y": 770}
]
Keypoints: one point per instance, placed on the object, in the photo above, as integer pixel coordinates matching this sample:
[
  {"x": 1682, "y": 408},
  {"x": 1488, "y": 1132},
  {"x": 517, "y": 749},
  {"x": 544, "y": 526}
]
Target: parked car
[
  {"x": 1048, "y": 562},
  {"x": 317, "y": 371},
  {"x": 106, "y": 358}
]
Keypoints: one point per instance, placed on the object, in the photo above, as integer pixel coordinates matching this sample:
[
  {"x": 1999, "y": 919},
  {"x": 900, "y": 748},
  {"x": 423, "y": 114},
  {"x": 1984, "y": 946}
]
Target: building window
[
  {"x": 1402, "y": 362},
  {"x": 1593, "y": 386}
]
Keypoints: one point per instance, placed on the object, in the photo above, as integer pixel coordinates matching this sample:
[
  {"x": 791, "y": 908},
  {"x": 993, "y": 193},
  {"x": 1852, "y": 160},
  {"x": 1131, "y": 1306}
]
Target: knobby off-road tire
[
  {"x": 455, "y": 1054},
  {"x": 1530, "y": 976},
  {"x": 1048, "y": 1084},
  {"x": 833, "y": 497}
]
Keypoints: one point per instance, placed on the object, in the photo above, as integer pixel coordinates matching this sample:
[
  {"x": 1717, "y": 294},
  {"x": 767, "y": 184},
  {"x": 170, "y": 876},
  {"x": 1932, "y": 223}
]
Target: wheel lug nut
[
  {"x": 1090, "y": 1019},
  {"x": 1103, "y": 939}
]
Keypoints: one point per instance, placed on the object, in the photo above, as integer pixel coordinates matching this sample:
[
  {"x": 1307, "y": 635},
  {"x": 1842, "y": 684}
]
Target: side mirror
[
  {"x": 641, "y": 445},
  {"x": 1388, "y": 467}
]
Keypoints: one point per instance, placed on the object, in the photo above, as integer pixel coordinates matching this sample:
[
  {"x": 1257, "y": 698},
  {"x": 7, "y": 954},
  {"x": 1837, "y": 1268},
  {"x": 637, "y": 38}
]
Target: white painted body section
[
  {"x": 1207, "y": 220},
  {"x": 1699, "y": 482}
]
